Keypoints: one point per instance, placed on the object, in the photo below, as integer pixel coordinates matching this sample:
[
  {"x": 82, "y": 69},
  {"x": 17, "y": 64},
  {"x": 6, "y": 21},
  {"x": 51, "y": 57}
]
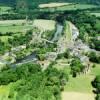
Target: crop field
[
  {"x": 4, "y": 9},
  {"x": 14, "y": 26},
  {"x": 68, "y": 7},
  {"x": 96, "y": 14},
  {"x": 68, "y": 31},
  {"x": 44, "y": 24},
  {"x": 76, "y": 6},
  {"x": 11, "y": 22},
  {"x": 50, "y": 5},
  {"x": 77, "y": 96}
]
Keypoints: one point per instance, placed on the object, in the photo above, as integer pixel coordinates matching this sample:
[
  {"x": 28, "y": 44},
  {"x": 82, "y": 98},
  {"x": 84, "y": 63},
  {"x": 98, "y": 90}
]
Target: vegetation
[
  {"x": 30, "y": 78},
  {"x": 96, "y": 84},
  {"x": 23, "y": 23},
  {"x": 76, "y": 67},
  {"x": 94, "y": 57}
]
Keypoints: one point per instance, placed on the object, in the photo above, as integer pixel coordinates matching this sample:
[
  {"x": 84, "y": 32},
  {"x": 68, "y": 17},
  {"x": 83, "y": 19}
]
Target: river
[
  {"x": 32, "y": 57},
  {"x": 58, "y": 32}
]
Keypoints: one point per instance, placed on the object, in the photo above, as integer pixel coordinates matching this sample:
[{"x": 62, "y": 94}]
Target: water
[{"x": 58, "y": 32}]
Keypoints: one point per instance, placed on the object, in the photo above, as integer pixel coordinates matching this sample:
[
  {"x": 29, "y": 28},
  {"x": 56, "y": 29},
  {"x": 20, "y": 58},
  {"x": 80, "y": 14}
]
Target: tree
[
  {"x": 96, "y": 84},
  {"x": 94, "y": 58},
  {"x": 76, "y": 67}
]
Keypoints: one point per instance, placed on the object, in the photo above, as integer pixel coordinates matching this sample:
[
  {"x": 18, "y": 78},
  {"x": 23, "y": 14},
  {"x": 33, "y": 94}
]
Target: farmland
[
  {"x": 96, "y": 14},
  {"x": 50, "y": 5},
  {"x": 44, "y": 24},
  {"x": 68, "y": 7},
  {"x": 4, "y": 9},
  {"x": 14, "y": 26},
  {"x": 49, "y": 50},
  {"x": 81, "y": 87}
]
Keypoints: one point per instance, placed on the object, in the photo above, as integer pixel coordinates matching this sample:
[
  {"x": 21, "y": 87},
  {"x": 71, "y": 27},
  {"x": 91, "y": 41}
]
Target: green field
[
  {"x": 7, "y": 92},
  {"x": 96, "y": 14},
  {"x": 70, "y": 7},
  {"x": 98, "y": 24},
  {"x": 50, "y": 5},
  {"x": 4, "y": 9},
  {"x": 68, "y": 31},
  {"x": 76, "y": 6},
  {"x": 44, "y": 25},
  {"x": 82, "y": 83},
  {"x": 14, "y": 26},
  {"x": 96, "y": 71}
]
